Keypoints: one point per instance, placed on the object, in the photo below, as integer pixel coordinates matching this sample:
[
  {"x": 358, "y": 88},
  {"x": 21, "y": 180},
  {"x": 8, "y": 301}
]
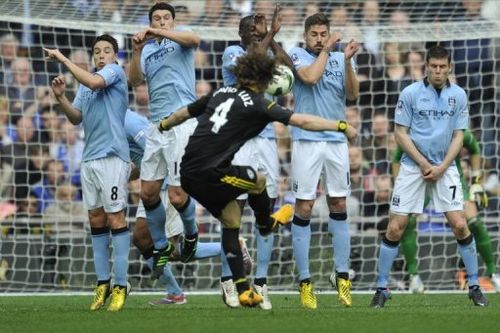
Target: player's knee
[
  {"x": 460, "y": 229},
  {"x": 337, "y": 204},
  {"x": 231, "y": 224},
  {"x": 117, "y": 220},
  {"x": 149, "y": 198},
  {"x": 303, "y": 208},
  {"x": 140, "y": 236},
  {"x": 97, "y": 218},
  {"x": 395, "y": 231},
  {"x": 150, "y": 193},
  {"x": 177, "y": 196}
]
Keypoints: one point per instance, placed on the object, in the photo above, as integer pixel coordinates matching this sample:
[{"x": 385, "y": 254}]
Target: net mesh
[{"x": 45, "y": 241}]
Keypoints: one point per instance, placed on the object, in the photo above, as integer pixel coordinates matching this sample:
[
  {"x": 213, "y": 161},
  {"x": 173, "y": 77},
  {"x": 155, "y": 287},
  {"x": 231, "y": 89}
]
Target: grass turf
[{"x": 404, "y": 313}]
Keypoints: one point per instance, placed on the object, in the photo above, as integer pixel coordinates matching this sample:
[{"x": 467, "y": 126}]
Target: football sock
[
  {"x": 100, "y": 249},
  {"x": 467, "y": 250},
  {"x": 388, "y": 253},
  {"x": 264, "y": 251},
  {"x": 409, "y": 245},
  {"x": 341, "y": 239},
  {"x": 226, "y": 273},
  {"x": 231, "y": 247},
  {"x": 207, "y": 250},
  {"x": 483, "y": 243},
  {"x": 156, "y": 217},
  {"x": 170, "y": 282},
  {"x": 187, "y": 214},
  {"x": 260, "y": 204},
  {"x": 301, "y": 239},
  {"x": 121, "y": 248}
]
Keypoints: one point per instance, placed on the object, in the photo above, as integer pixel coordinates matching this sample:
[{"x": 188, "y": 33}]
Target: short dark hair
[
  {"x": 255, "y": 69},
  {"x": 161, "y": 6},
  {"x": 107, "y": 38},
  {"x": 316, "y": 19},
  {"x": 438, "y": 52},
  {"x": 246, "y": 22}
]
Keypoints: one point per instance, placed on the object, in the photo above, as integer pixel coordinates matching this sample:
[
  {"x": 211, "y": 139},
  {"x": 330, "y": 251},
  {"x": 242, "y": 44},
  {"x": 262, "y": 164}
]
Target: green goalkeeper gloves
[{"x": 478, "y": 194}]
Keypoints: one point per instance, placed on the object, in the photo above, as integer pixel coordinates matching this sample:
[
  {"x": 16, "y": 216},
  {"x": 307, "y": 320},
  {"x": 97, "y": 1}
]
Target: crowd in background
[{"x": 40, "y": 150}]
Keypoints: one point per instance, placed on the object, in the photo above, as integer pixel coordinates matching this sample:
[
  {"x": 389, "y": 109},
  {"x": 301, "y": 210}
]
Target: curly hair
[{"x": 255, "y": 70}]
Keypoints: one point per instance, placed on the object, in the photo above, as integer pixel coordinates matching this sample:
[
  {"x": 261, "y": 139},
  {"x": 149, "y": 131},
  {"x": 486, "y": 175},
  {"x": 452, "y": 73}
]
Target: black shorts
[{"x": 215, "y": 189}]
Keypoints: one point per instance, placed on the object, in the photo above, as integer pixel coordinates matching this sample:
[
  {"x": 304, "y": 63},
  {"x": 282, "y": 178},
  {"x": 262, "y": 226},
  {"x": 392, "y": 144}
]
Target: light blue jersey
[
  {"x": 229, "y": 57},
  {"x": 432, "y": 117},
  {"x": 136, "y": 127},
  {"x": 325, "y": 98},
  {"x": 169, "y": 71},
  {"x": 103, "y": 115}
]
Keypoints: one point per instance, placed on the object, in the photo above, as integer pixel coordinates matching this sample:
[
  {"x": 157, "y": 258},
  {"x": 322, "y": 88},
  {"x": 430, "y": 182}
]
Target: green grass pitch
[{"x": 404, "y": 313}]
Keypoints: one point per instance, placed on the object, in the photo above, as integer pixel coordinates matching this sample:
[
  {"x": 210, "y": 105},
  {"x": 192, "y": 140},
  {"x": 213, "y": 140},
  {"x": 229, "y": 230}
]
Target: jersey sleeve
[
  {"x": 229, "y": 57},
  {"x": 135, "y": 127},
  {"x": 404, "y": 114},
  {"x": 299, "y": 57},
  {"x": 462, "y": 120},
  {"x": 110, "y": 73},
  {"x": 396, "y": 155},
  {"x": 199, "y": 106},
  {"x": 77, "y": 102},
  {"x": 275, "y": 112},
  {"x": 471, "y": 144}
]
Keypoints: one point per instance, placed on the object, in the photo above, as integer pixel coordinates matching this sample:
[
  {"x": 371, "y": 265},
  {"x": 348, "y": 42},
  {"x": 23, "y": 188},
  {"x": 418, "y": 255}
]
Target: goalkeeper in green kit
[{"x": 474, "y": 197}]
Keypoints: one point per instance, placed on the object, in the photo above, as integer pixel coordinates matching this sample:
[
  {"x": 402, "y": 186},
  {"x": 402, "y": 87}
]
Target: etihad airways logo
[{"x": 436, "y": 113}]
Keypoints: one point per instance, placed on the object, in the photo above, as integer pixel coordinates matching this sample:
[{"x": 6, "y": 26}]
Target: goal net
[{"x": 45, "y": 241}]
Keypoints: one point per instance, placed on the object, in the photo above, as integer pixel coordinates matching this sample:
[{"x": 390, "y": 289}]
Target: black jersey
[{"x": 226, "y": 120}]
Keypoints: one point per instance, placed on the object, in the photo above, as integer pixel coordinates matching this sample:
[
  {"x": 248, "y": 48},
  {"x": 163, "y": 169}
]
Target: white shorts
[
  {"x": 247, "y": 156},
  {"x": 164, "y": 151},
  {"x": 173, "y": 225},
  {"x": 312, "y": 158},
  {"x": 105, "y": 184},
  {"x": 269, "y": 164},
  {"x": 410, "y": 189}
]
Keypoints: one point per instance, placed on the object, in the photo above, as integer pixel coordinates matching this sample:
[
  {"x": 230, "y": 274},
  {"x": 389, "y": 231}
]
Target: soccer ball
[{"x": 282, "y": 83}]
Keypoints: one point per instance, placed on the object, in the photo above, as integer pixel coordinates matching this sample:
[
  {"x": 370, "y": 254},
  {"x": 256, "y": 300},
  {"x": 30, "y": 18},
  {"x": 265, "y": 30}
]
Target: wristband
[
  {"x": 342, "y": 126},
  {"x": 476, "y": 176},
  {"x": 160, "y": 126}
]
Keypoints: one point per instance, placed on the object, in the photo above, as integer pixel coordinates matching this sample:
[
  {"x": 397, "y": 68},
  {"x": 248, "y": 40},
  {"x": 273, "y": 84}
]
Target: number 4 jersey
[{"x": 226, "y": 120}]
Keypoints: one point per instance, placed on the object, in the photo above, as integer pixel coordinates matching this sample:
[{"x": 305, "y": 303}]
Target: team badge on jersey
[
  {"x": 395, "y": 200},
  {"x": 334, "y": 63},
  {"x": 399, "y": 107},
  {"x": 452, "y": 101},
  {"x": 295, "y": 59},
  {"x": 232, "y": 56}
]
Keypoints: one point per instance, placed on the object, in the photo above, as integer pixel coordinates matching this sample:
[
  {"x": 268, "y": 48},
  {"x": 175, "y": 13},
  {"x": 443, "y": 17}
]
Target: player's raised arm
[
  {"x": 58, "y": 87},
  {"x": 184, "y": 38},
  {"x": 136, "y": 77},
  {"x": 318, "y": 36},
  {"x": 89, "y": 80},
  {"x": 351, "y": 82}
]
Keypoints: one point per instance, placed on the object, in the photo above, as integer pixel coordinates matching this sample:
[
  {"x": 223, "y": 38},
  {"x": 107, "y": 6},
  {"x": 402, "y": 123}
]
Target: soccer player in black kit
[{"x": 227, "y": 118}]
